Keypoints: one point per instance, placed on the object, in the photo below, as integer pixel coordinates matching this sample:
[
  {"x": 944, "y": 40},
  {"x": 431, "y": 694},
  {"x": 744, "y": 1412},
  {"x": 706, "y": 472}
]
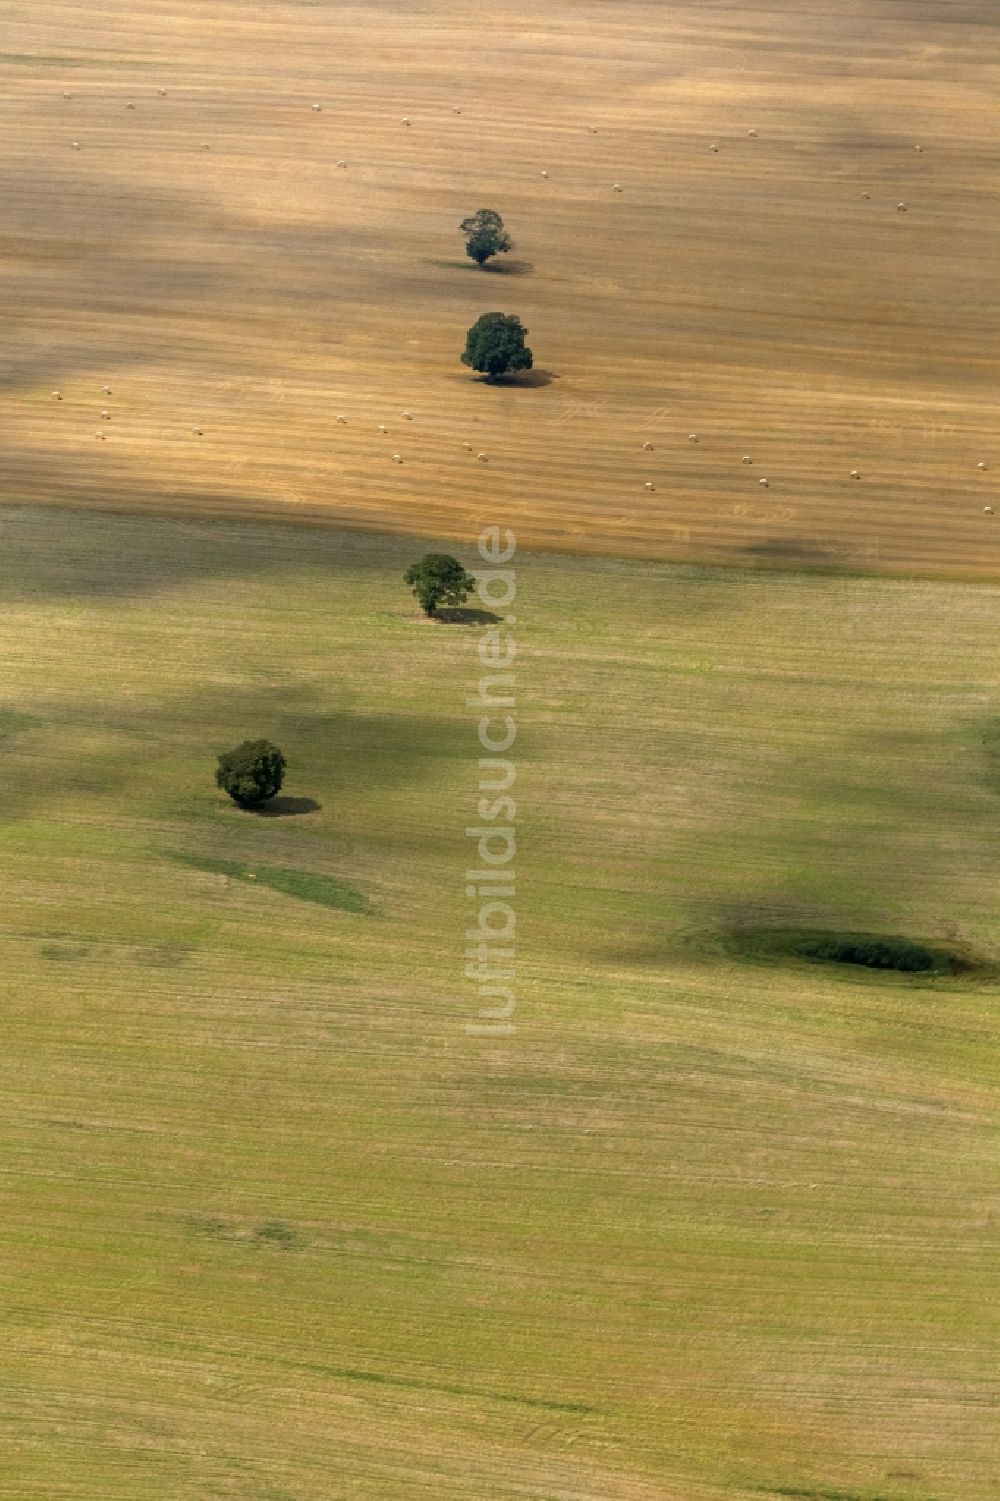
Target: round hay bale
[
  {"x": 130, "y": 105},
  {"x": 713, "y": 147},
  {"x": 57, "y": 395},
  {"x": 317, "y": 108},
  {"x": 197, "y": 431},
  {"x": 397, "y": 458},
  {"x": 341, "y": 419},
  {"x": 341, "y": 164},
  {"x": 855, "y": 474},
  {"x": 692, "y": 437},
  {"x": 482, "y": 459},
  {"x": 987, "y": 510},
  {"x": 105, "y": 416},
  {"x": 747, "y": 459},
  {"x": 866, "y": 195},
  {"x": 381, "y": 427},
  {"x": 405, "y": 120},
  {"x": 616, "y": 187},
  {"x": 650, "y": 485},
  {"x": 901, "y": 208},
  {"x": 647, "y": 447},
  {"x": 106, "y": 390},
  {"x": 162, "y": 93},
  {"x": 763, "y": 484},
  {"x": 407, "y": 416},
  {"x": 751, "y": 133},
  {"x": 76, "y": 145},
  {"x": 980, "y": 466},
  {"x": 545, "y": 174}
]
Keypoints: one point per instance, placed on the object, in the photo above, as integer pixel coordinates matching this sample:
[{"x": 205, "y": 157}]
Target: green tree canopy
[
  {"x": 485, "y": 235},
  {"x": 495, "y": 345},
  {"x": 439, "y": 579},
  {"x": 251, "y": 773}
]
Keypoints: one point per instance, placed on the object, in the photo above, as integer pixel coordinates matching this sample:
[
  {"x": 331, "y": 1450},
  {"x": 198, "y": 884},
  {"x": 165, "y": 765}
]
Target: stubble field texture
[
  {"x": 204, "y": 256},
  {"x": 711, "y": 1224}
]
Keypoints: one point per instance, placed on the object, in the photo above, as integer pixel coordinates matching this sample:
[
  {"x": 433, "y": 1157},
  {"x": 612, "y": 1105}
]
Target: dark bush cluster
[
  {"x": 495, "y": 345},
  {"x": 439, "y": 579},
  {"x": 485, "y": 236},
  {"x": 251, "y": 773},
  {"x": 885, "y": 952},
  {"x": 875, "y": 952}
]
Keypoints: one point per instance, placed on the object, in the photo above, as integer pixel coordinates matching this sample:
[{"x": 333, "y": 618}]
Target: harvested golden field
[{"x": 203, "y": 256}]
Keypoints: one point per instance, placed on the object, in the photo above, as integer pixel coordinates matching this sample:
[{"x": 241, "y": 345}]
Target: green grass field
[{"x": 276, "y": 1228}]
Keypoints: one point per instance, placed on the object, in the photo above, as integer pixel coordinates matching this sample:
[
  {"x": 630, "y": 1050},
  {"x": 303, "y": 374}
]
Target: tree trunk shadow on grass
[
  {"x": 525, "y": 380},
  {"x": 460, "y": 615},
  {"x": 286, "y": 807},
  {"x": 509, "y": 268}
]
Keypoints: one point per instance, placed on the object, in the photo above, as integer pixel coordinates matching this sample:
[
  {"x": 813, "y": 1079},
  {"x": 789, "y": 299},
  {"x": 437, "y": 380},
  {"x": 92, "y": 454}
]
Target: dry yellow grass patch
[{"x": 751, "y": 295}]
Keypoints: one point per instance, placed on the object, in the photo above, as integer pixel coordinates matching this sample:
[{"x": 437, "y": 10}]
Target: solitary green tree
[
  {"x": 485, "y": 236},
  {"x": 439, "y": 580},
  {"x": 251, "y": 773},
  {"x": 495, "y": 345}
]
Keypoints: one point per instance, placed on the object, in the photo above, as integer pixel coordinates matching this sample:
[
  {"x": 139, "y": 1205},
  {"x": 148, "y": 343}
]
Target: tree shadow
[
  {"x": 510, "y": 268},
  {"x": 288, "y": 807},
  {"x": 527, "y": 380},
  {"x": 531, "y": 379},
  {"x": 458, "y": 615}
]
